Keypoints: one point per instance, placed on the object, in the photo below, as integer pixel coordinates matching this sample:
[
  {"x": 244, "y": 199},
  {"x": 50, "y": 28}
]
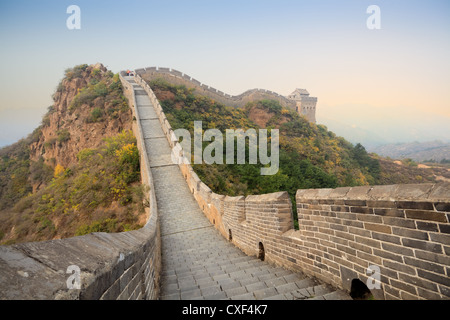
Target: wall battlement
[
  {"x": 403, "y": 230},
  {"x": 179, "y": 78}
]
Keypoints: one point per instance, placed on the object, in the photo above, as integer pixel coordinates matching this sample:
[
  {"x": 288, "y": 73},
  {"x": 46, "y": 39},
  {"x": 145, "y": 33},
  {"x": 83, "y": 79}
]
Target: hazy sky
[{"x": 400, "y": 73}]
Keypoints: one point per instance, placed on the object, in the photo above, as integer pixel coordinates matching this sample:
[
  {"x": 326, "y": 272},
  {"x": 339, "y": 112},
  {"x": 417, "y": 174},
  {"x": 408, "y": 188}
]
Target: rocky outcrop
[{"x": 67, "y": 129}]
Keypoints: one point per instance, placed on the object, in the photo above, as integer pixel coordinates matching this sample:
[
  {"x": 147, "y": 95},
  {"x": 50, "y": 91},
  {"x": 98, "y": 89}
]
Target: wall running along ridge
[
  {"x": 404, "y": 230},
  {"x": 178, "y": 78},
  {"x": 113, "y": 266}
]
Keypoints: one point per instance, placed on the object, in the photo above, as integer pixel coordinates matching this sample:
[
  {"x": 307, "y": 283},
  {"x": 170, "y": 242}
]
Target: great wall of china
[
  {"x": 403, "y": 230},
  {"x": 303, "y": 104}
]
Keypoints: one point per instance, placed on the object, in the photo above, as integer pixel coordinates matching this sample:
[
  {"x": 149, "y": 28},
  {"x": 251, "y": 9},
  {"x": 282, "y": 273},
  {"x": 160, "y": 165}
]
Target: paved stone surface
[{"x": 197, "y": 262}]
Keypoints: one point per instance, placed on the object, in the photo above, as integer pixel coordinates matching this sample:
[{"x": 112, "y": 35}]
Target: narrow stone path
[{"x": 197, "y": 262}]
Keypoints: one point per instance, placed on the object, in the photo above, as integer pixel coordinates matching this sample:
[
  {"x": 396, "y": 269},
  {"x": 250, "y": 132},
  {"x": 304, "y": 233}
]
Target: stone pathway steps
[{"x": 197, "y": 262}]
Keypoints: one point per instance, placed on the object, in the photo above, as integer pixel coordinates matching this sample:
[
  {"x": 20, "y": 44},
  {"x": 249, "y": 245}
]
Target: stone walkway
[{"x": 197, "y": 262}]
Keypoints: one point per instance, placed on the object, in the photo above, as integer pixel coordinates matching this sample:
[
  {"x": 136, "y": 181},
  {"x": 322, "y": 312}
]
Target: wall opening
[
  {"x": 214, "y": 221},
  {"x": 359, "y": 291},
  {"x": 230, "y": 236},
  {"x": 261, "y": 253}
]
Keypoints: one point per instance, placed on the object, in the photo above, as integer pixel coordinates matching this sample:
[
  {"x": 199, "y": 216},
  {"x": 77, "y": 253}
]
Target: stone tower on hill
[{"x": 305, "y": 105}]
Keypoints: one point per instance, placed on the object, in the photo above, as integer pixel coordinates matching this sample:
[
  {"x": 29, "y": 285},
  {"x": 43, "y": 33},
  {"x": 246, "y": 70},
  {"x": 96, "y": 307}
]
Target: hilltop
[{"x": 78, "y": 172}]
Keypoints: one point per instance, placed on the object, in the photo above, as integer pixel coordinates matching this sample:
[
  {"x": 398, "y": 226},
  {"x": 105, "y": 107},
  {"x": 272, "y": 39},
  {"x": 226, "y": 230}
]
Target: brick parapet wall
[
  {"x": 402, "y": 229},
  {"x": 113, "y": 266}
]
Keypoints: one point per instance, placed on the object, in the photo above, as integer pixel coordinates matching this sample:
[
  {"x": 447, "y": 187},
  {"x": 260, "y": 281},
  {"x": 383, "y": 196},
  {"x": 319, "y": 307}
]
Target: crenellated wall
[
  {"x": 179, "y": 78},
  {"x": 112, "y": 266},
  {"x": 402, "y": 231}
]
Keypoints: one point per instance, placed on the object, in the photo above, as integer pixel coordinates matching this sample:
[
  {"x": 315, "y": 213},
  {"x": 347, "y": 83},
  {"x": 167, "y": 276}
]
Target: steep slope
[{"x": 79, "y": 171}]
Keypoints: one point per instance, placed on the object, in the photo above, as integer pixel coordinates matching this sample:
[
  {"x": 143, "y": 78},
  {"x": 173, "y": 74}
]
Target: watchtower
[{"x": 305, "y": 105}]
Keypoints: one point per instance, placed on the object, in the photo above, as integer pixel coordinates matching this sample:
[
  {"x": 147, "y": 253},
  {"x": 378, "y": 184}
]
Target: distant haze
[{"x": 374, "y": 127}]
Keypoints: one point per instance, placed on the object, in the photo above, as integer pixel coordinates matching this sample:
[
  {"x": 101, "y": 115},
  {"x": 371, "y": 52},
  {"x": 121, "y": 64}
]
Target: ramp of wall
[
  {"x": 403, "y": 230},
  {"x": 112, "y": 266}
]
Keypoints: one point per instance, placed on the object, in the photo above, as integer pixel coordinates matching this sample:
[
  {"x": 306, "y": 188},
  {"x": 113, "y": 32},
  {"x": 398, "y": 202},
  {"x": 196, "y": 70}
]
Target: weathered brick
[
  {"x": 344, "y": 235},
  {"x": 360, "y": 246},
  {"x": 389, "y": 212},
  {"x": 340, "y": 208},
  {"x": 406, "y": 296},
  {"x": 388, "y": 273},
  {"x": 326, "y": 201},
  {"x": 441, "y": 238},
  {"x": 338, "y": 227},
  {"x": 371, "y": 258},
  {"x": 399, "y": 222},
  {"x": 428, "y": 295},
  {"x": 428, "y": 246},
  {"x": 426, "y": 215},
  {"x": 369, "y": 242},
  {"x": 410, "y": 233},
  {"x": 403, "y": 286},
  {"x": 387, "y": 255},
  {"x": 430, "y": 256},
  {"x": 415, "y": 205},
  {"x": 377, "y": 227},
  {"x": 399, "y": 267},
  {"x": 385, "y": 237},
  {"x": 346, "y": 215},
  {"x": 392, "y": 292},
  {"x": 442, "y": 206},
  {"x": 363, "y": 210},
  {"x": 397, "y": 249},
  {"x": 381, "y": 204},
  {"x": 434, "y": 277},
  {"x": 445, "y": 291},
  {"x": 339, "y": 240},
  {"x": 346, "y": 249},
  {"x": 352, "y": 223},
  {"x": 359, "y": 231},
  {"x": 355, "y": 203},
  {"x": 444, "y": 228},
  {"x": 424, "y": 265},
  {"x": 326, "y": 231},
  {"x": 427, "y": 226},
  {"x": 447, "y": 250},
  {"x": 369, "y": 218}
]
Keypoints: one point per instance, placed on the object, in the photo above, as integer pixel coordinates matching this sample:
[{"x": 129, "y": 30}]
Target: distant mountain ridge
[{"x": 417, "y": 151}]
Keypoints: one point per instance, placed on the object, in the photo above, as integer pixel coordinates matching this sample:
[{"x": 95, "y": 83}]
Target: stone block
[
  {"x": 377, "y": 227},
  {"x": 440, "y": 192},
  {"x": 420, "y": 235},
  {"x": 426, "y": 215},
  {"x": 427, "y": 246}
]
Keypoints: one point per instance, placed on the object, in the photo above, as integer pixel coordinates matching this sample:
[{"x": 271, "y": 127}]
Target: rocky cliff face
[{"x": 88, "y": 106}]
